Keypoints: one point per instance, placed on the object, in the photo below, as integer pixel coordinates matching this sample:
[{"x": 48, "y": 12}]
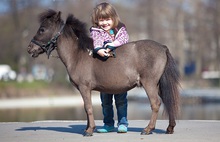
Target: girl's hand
[
  {"x": 108, "y": 50},
  {"x": 103, "y": 53}
]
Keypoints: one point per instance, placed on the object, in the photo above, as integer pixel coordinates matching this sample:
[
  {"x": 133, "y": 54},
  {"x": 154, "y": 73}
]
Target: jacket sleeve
[
  {"x": 121, "y": 37},
  {"x": 98, "y": 40}
]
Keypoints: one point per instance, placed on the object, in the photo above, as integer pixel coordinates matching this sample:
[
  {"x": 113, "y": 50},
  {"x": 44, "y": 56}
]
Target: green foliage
[{"x": 24, "y": 85}]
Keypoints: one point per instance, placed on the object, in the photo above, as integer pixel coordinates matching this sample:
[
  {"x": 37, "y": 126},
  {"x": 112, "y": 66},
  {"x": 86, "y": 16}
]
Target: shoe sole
[
  {"x": 104, "y": 131},
  {"x": 122, "y": 132}
]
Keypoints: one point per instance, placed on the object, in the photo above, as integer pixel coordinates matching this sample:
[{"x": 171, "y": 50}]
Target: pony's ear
[{"x": 58, "y": 16}]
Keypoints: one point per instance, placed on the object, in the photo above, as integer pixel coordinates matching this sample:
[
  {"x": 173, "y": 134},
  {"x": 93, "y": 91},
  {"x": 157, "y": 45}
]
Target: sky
[
  {"x": 3, "y": 7},
  {"x": 4, "y": 4}
]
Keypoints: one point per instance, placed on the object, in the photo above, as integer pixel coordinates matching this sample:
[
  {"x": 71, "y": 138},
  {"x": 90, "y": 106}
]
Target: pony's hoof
[
  {"x": 87, "y": 134},
  {"x": 169, "y": 132},
  {"x": 144, "y": 132}
]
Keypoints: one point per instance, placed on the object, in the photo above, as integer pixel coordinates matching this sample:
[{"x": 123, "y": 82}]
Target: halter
[{"x": 51, "y": 45}]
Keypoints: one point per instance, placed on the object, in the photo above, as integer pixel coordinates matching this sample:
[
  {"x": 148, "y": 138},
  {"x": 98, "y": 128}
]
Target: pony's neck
[{"x": 67, "y": 50}]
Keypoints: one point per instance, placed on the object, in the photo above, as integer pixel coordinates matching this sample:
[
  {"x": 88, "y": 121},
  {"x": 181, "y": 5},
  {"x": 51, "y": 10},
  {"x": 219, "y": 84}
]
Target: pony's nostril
[
  {"x": 29, "y": 49},
  {"x": 30, "y": 46}
]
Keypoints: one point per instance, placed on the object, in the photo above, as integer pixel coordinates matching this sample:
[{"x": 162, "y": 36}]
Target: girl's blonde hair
[{"x": 102, "y": 11}]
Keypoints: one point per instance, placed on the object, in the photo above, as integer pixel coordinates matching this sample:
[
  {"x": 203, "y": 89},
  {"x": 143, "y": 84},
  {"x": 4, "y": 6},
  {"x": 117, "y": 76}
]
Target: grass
[
  {"x": 13, "y": 89},
  {"x": 24, "y": 85}
]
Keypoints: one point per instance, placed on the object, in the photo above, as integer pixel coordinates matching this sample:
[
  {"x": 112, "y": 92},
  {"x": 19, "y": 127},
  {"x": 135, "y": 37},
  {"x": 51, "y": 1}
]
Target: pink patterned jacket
[{"x": 99, "y": 36}]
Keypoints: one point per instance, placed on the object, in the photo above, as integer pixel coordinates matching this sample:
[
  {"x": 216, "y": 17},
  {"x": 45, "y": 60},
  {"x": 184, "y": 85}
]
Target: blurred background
[{"x": 38, "y": 89}]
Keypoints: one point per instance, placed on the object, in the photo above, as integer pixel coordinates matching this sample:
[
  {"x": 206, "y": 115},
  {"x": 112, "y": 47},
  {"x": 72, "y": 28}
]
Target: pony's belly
[{"x": 118, "y": 85}]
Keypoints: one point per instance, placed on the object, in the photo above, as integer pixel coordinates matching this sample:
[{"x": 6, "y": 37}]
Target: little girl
[
  {"x": 108, "y": 33},
  {"x": 107, "y": 28}
]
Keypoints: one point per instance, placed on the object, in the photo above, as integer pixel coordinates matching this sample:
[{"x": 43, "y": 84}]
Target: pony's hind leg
[
  {"x": 172, "y": 124},
  {"x": 152, "y": 92}
]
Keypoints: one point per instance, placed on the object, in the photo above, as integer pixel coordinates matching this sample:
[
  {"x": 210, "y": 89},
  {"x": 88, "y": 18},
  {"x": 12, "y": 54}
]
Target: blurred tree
[
  {"x": 215, "y": 12},
  {"x": 190, "y": 29},
  {"x": 17, "y": 44}
]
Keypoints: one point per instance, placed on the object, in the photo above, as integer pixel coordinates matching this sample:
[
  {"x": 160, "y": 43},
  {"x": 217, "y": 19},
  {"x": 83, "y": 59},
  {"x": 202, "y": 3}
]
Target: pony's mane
[
  {"x": 75, "y": 27},
  {"x": 46, "y": 15}
]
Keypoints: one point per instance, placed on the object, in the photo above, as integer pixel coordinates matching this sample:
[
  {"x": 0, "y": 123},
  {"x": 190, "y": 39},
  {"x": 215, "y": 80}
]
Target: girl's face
[{"x": 106, "y": 24}]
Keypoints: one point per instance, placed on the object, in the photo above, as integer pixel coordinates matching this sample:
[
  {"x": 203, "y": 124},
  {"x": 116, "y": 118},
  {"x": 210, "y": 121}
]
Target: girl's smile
[{"x": 106, "y": 24}]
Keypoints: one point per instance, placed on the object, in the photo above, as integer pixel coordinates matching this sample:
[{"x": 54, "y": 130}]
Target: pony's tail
[{"x": 169, "y": 87}]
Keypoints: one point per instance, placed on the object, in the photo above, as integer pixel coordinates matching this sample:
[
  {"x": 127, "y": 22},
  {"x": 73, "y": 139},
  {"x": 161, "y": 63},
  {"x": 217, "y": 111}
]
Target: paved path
[{"x": 70, "y": 131}]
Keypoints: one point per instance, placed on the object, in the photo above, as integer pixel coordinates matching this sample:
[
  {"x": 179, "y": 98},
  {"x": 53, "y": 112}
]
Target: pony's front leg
[{"x": 86, "y": 95}]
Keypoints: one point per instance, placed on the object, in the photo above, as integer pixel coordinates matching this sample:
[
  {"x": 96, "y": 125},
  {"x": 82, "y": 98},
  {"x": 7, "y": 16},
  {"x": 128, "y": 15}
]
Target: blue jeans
[{"x": 121, "y": 106}]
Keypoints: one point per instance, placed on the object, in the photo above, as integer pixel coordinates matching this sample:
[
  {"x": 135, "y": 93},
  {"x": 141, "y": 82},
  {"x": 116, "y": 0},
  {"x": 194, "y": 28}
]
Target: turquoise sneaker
[
  {"x": 106, "y": 129},
  {"x": 122, "y": 129}
]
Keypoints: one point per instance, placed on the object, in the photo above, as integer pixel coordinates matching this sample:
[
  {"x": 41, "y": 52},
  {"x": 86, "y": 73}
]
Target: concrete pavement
[{"x": 71, "y": 131}]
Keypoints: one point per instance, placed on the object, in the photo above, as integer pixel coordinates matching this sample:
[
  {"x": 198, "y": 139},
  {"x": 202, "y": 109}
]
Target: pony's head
[
  {"x": 44, "y": 40},
  {"x": 50, "y": 29}
]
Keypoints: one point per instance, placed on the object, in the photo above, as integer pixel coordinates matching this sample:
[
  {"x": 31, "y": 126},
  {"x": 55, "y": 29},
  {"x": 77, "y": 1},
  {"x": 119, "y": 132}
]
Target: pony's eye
[{"x": 41, "y": 30}]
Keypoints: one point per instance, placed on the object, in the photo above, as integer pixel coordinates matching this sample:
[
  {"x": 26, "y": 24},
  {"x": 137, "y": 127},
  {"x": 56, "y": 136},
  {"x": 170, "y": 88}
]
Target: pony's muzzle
[{"x": 33, "y": 50}]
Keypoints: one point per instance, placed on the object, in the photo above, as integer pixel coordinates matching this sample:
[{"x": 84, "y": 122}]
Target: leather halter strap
[{"x": 50, "y": 45}]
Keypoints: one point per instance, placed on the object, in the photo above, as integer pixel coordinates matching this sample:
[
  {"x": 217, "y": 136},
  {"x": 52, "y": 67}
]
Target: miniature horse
[{"x": 143, "y": 63}]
